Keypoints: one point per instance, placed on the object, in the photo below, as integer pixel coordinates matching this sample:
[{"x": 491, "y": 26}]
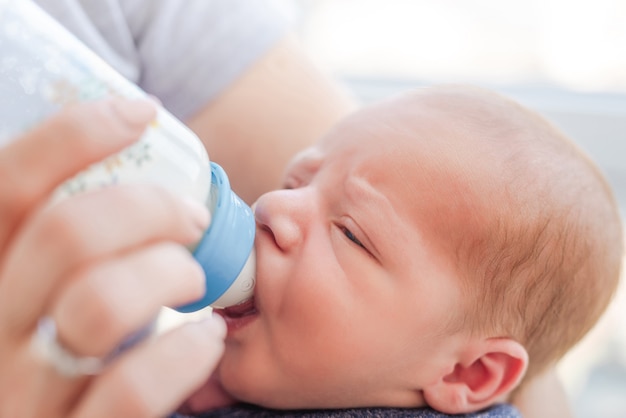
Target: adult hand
[{"x": 100, "y": 264}]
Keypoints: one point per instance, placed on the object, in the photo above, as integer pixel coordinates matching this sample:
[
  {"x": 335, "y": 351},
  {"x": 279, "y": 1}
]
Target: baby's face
[{"x": 354, "y": 287}]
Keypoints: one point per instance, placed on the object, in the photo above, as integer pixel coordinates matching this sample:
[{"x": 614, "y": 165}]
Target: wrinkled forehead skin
[{"x": 434, "y": 168}]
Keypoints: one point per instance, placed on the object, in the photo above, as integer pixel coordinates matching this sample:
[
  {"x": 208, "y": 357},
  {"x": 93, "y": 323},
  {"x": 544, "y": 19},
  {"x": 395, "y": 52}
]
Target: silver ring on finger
[{"x": 45, "y": 345}]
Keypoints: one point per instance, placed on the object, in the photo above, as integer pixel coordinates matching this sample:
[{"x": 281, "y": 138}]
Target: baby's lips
[{"x": 247, "y": 307}]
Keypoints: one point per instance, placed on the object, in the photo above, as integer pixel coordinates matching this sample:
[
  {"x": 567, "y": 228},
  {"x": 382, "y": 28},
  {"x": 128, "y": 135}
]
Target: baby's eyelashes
[
  {"x": 288, "y": 185},
  {"x": 352, "y": 237},
  {"x": 358, "y": 239}
]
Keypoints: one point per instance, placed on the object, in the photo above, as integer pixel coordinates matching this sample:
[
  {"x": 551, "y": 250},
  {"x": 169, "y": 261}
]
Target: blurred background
[{"x": 564, "y": 58}]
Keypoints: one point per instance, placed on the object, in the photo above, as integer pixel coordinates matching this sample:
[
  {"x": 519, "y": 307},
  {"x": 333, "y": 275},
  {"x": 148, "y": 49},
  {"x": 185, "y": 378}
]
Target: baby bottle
[{"x": 44, "y": 67}]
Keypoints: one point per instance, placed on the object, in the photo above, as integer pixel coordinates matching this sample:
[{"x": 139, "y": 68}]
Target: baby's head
[
  {"x": 540, "y": 255},
  {"x": 432, "y": 249}
]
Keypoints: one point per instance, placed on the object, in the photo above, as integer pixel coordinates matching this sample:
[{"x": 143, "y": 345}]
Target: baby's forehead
[
  {"x": 399, "y": 129},
  {"x": 425, "y": 140}
]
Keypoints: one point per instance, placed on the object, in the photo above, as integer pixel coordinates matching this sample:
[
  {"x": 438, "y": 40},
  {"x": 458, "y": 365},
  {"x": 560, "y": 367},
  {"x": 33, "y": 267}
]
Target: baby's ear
[{"x": 485, "y": 373}]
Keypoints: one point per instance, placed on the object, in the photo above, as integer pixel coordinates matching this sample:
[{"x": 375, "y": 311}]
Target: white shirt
[{"x": 185, "y": 52}]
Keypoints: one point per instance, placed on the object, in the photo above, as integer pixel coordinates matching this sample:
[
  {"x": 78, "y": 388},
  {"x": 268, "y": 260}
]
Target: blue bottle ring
[{"x": 227, "y": 243}]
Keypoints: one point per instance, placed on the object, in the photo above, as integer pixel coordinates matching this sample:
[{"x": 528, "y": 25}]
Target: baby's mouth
[{"x": 245, "y": 308}]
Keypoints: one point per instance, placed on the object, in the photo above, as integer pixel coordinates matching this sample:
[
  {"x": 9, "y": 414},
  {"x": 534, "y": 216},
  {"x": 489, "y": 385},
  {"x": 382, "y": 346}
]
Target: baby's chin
[
  {"x": 291, "y": 399},
  {"x": 249, "y": 390},
  {"x": 210, "y": 396}
]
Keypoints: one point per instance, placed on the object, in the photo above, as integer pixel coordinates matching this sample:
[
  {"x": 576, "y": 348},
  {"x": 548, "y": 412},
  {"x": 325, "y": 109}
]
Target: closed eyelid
[
  {"x": 303, "y": 167},
  {"x": 293, "y": 181},
  {"x": 350, "y": 225}
]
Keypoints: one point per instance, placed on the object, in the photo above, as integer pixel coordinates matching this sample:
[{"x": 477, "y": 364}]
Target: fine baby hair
[{"x": 540, "y": 251}]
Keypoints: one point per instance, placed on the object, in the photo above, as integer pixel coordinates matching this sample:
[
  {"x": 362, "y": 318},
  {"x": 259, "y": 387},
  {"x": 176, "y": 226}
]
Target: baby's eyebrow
[{"x": 373, "y": 212}]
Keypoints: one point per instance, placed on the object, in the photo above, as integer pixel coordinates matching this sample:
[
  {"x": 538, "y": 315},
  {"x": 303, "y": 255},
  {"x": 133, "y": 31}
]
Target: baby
[{"x": 440, "y": 249}]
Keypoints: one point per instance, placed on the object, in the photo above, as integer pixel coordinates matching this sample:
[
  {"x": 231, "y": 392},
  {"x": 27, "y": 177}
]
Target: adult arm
[
  {"x": 230, "y": 69},
  {"x": 281, "y": 105}
]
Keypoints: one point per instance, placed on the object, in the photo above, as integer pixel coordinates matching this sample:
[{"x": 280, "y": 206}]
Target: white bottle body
[{"x": 43, "y": 67}]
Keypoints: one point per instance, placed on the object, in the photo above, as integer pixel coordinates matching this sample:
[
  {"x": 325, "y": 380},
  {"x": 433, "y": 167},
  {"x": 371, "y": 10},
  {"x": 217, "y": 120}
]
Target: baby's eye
[
  {"x": 351, "y": 237},
  {"x": 292, "y": 183}
]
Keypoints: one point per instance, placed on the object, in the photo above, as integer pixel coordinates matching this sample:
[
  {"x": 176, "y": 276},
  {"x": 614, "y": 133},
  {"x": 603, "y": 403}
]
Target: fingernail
[
  {"x": 199, "y": 213},
  {"x": 134, "y": 112}
]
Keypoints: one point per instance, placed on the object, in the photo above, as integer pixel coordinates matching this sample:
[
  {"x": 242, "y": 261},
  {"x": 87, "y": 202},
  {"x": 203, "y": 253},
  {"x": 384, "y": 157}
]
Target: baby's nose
[{"x": 281, "y": 213}]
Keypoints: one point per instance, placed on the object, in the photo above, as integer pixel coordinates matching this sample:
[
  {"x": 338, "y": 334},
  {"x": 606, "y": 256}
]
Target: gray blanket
[{"x": 249, "y": 411}]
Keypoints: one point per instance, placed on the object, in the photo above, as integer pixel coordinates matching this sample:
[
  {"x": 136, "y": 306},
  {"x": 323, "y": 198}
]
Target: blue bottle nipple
[{"x": 226, "y": 251}]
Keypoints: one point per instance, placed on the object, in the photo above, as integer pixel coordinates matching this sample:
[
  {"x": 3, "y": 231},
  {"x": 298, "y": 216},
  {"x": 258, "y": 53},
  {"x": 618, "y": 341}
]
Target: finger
[
  {"x": 110, "y": 301},
  {"x": 35, "y": 163},
  {"x": 153, "y": 379},
  {"x": 83, "y": 229},
  {"x": 31, "y": 388}
]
